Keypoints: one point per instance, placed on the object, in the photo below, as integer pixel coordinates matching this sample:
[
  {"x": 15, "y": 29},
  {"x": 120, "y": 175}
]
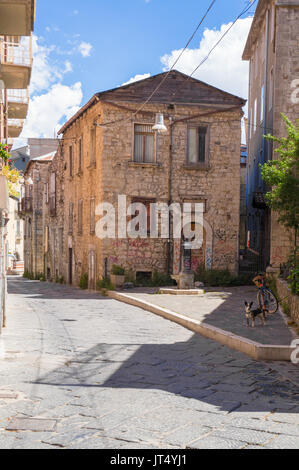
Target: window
[
  {"x": 254, "y": 115},
  {"x": 144, "y": 144},
  {"x": 46, "y": 239},
  {"x": 47, "y": 192},
  {"x": 71, "y": 160},
  {"x": 71, "y": 215},
  {"x": 52, "y": 194},
  {"x": 80, "y": 217},
  {"x": 92, "y": 215},
  {"x": 147, "y": 203},
  {"x": 262, "y": 104},
  {"x": 80, "y": 155},
  {"x": 92, "y": 146},
  {"x": 197, "y": 145},
  {"x": 271, "y": 90}
]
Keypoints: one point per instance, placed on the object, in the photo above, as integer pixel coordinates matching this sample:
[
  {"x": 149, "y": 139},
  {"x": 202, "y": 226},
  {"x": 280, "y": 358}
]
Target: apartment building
[
  {"x": 272, "y": 49},
  {"x": 16, "y": 26},
  {"x": 109, "y": 148}
]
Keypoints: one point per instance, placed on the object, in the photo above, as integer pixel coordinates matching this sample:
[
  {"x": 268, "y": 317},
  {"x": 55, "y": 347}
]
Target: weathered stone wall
[
  {"x": 115, "y": 173},
  {"x": 284, "y": 292},
  {"x": 34, "y": 245},
  {"x": 286, "y": 101},
  {"x": 55, "y": 257}
]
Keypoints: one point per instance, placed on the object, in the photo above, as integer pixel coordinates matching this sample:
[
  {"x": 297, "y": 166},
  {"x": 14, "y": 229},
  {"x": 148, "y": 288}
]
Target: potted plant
[{"x": 117, "y": 275}]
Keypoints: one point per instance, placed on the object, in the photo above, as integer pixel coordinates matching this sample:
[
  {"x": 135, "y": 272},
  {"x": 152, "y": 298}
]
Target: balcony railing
[
  {"x": 15, "y": 122},
  {"x": 12, "y": 53},
  {"x": 18, "y": 96},
  {"x": 25, "y": 205}
]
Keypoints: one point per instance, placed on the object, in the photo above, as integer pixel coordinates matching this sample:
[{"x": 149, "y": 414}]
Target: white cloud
[
  {"x": 47, "y": 111},
  {"x": 85, "y": 49},
  {"x": 137, "y": 78},
  {"x": 44, "y": 71},
  {"x": 51, "y": 102},
  {"x": 224, "y": 68},
  {"x": 76, "y": 12}
]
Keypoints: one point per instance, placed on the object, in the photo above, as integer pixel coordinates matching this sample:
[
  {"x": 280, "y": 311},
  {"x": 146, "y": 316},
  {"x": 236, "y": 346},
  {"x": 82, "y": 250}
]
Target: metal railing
[{"x": 16, "y": 53}]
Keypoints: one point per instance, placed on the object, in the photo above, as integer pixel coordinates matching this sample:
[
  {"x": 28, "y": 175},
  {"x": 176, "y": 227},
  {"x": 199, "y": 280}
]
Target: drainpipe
[
  {"x": 169, "y": 194},
  {"x": 265, "y": 103},
  {"x": 265, "y": 155}
]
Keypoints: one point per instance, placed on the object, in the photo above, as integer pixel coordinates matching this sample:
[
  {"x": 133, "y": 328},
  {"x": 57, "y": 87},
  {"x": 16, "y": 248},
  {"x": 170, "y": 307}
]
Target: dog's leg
[
  {"x": 264, "y": 318},
  {"x": 252, "y": 323}
]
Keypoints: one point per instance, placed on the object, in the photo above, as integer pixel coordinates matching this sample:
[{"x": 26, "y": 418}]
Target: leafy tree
[
  {"x": 13, "y": 177},
  {"x": 282, "y": 176}
]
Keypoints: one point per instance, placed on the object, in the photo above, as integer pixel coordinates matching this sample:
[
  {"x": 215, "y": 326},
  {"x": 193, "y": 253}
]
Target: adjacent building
[
  {"x": 16, "y": 26},
  {"x": 109, "y": 148},
  {"x": 32, "y": 209},
  {"x": 272, "y": 50}
]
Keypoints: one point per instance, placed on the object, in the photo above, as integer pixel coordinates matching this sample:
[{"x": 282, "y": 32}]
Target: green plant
[
  {"x": 271, "y": 283},
  {"x": 3, "y": 153},
  {"x": 221, "y": 277},
  {"x": 282, "y": 176},
  {"x": 104, "y": 283},
  {"x": 83, "y": 283},
  {"x": 130, "y": 277},
  {"x": 117, "y": 270},
  {"x": 294, "y": 280},
  {"x": 286, "y": 309}
]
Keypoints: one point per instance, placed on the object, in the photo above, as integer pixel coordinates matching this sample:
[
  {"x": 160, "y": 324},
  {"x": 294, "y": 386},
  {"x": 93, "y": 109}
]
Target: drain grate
[{"x": 32, "y": 424}]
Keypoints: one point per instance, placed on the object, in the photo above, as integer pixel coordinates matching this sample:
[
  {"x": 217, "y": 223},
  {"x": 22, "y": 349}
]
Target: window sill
[
  {"x": 145, "y": 165},
  {"x": 197, "y": 166}
]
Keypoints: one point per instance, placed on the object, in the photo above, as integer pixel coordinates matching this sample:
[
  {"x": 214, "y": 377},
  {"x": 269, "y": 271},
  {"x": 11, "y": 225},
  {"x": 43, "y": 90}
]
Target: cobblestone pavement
[
  {"x": 224, "y": 308},
  {"x": 82, "y": 371}
]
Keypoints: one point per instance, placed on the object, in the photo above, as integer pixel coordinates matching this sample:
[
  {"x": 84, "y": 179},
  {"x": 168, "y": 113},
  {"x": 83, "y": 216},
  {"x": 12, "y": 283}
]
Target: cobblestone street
[{"x": 81, "y": 371}]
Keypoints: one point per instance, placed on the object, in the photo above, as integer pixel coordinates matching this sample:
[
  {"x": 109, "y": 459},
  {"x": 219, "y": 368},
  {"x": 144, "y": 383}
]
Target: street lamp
[{"x": 159, "y": 124}]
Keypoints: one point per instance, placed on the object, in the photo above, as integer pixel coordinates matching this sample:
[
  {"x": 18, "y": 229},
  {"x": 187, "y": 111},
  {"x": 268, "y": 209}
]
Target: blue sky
[{"x": 100, "y": 44}]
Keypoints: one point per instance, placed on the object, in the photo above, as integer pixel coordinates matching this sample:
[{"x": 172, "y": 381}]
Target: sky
[{"x": 81, "y": 48}]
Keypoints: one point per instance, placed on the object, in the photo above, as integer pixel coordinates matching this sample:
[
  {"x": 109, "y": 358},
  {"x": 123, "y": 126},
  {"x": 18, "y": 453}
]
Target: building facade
[
  {"x": 272, "y": 50},
  {"x": 33, "y": 209},
  {"x": 110, "y": 149},
  {"x": 16, "y": 25}
]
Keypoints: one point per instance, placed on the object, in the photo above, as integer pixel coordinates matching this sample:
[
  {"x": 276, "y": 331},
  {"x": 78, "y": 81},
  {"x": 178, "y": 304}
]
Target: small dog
[{"x": 253, "y": 314}]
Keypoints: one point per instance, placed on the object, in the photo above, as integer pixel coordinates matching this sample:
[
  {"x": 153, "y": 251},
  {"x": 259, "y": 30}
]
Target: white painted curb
[{"x": 258, "y": 351}]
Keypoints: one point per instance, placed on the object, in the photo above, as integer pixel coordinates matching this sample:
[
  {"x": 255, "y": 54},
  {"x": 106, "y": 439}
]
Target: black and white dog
[{"x": 253, "y": 314}]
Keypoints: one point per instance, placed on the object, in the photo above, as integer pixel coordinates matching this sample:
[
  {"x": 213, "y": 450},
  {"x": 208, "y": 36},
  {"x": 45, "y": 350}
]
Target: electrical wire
[{"x": 167, "y": 74}]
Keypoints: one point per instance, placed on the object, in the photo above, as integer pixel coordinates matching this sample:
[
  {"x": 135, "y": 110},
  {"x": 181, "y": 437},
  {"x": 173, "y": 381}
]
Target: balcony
[
  {"x": 15, "y": 127},
  {"x": 18, "y": 101},
  {"x": 16, "y": 62},
  {"x": 25, "y": 205},
  {"x": 17, "y": 17}
]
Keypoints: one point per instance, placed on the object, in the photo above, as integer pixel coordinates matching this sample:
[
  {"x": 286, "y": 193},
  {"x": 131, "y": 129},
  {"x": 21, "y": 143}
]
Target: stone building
[
  {"x": 33, "y": 210},
  {"x": 53, "y": 219},
  {"x": 110, "y": 149},
  {"x": 272, "y": 50}
]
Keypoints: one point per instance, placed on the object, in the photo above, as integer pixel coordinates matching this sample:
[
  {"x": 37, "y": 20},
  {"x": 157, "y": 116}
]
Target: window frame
[
  {"x": 92, "y": 226},
  {"x": 80, "y": 217},
  {"x": 196, "y": 126},
  {"x": 154, "y": 134},
  {"x": 80, "y": 154},
  {"x": 71, "y": 160},
  {"x": 71, "y": 217}
]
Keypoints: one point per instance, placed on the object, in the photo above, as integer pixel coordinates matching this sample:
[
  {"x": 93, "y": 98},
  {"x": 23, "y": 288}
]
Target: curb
[{"x": 257, "y": 351}]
